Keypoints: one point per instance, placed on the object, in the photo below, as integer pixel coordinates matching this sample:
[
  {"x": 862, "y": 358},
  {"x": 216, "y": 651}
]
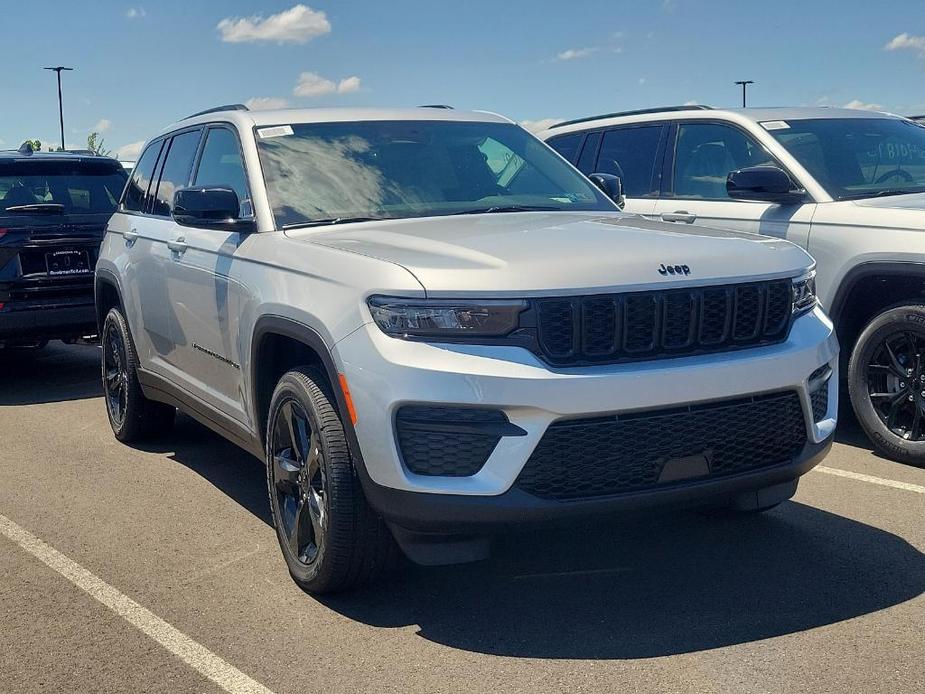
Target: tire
[
  {"x": 132, "y": 416},
  {"x": 329, "y": 536},
  {"x": 886, "y": 383}
]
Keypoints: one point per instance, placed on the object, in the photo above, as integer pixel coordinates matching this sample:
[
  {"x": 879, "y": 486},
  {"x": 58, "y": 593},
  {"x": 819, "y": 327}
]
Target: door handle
[
  {"x": 178, "y": 246},
  {"x": 130, "y": 236},
  {"x": 679, "y": 216}
]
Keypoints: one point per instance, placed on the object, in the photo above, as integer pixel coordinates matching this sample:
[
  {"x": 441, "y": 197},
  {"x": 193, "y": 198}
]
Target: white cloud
[
  {"x": 266, "y": 103},
  {"x": 907, "y": 42},
  {"x": 311, "y": 84},
  {"x": 136, "y": 13},
  {"x": 857, "y": 103},
  {"x": 299, "y": 24},
  {"x": 642, "y": 80},
  {"x": 348, "y": 84},
  {"x": 130, "y": 151},
  {"x": 102, "y": 125},
  {"x": 692, "y": 102},
  {"x": 575, "y": 53},
  {"x": 535, "y": 126}
]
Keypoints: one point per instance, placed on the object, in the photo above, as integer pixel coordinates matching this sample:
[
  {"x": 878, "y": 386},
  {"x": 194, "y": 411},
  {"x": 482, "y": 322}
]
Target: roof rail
[
  {"x": 637, "y": 112},
  {"x": 217, "y": 109},
  {"x": 436, "y": 106}
]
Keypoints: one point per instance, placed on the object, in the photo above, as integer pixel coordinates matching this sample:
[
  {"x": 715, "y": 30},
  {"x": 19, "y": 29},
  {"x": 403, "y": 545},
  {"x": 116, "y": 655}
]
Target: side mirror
[
  {"x": 611, "y": 185},
  {"x": 214, "y": 207},
  {"x": 763, "y": 184}
]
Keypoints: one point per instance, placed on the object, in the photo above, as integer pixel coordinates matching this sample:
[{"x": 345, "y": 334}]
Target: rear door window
[
  {"x": 175, "y": 173},
  {"x": 136, "y": 192},
  {"x": 630, "y": 153}
]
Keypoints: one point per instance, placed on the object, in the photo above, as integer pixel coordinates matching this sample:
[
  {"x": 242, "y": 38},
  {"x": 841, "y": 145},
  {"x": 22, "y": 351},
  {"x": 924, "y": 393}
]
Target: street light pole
[
  {"x": 58, "y": 70},
  {"x": 744, "y": 84}
]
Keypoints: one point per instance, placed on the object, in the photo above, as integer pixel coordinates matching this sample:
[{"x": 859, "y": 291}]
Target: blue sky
[{"x": 142, "y": 66}]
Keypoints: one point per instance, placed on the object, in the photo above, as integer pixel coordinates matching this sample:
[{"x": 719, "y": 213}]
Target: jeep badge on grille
[{"x": 673, "y": 269}]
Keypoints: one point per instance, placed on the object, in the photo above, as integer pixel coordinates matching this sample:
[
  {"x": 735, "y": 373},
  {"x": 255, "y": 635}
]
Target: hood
[{"x": 537, "y": 253}]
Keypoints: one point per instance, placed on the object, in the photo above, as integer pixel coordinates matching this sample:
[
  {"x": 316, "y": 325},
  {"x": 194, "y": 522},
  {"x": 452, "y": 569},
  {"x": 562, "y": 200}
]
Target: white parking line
[
  {"x": 917, "y": 488},
  {"x": 190, "y": 652}
]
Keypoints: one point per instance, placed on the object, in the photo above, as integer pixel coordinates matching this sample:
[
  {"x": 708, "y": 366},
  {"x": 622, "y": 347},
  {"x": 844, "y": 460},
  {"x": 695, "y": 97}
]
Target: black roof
[
  {"x": 637, "y": 112},
  {"x": 71, "y": 156}
]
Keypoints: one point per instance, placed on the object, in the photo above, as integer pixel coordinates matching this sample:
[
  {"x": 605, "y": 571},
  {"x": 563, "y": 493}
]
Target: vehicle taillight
[{"x": 3, "y": 231}]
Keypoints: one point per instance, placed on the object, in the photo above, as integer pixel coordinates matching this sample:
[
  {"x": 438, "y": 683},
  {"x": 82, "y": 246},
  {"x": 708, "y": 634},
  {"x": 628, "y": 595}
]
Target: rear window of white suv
[{"x": 320, "y": 172}]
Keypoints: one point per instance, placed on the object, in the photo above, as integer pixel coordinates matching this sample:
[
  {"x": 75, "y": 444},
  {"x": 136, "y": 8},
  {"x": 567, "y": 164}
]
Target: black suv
[{"x": 53, "y": 212}]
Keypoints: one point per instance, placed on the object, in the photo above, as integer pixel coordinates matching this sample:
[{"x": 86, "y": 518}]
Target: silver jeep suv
[{"x": 433, "y": 328}]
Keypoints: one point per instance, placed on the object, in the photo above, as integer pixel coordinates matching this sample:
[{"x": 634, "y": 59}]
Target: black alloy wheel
[
  {"x": 300, "y": 483},
  {"x": 886, "y": 382},
  {"x": 133, "y": 416},
  {"x": 115, "y": 374},
  {"x": 896, "y": 383}
]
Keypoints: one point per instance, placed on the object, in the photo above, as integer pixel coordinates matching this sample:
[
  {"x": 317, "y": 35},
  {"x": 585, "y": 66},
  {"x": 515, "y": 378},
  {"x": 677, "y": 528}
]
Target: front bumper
[
  {"x": 454, "y": 514},
  {"x": 385, "y": 373}
]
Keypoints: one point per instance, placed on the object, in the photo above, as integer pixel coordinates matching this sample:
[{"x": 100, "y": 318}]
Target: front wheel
[
  {"x": 886, "y": 382},
  {"x": 330, "y": 538}
]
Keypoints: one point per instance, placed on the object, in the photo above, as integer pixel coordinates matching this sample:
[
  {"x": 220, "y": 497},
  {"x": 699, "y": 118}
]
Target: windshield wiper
[
  {"x": 884, "y": 193},
  {"x": 333, "y": 220},
  {"x": 896, "y": 191},
  {"x": 510, "y": 208},
  {"x": 41, "y": 207}
]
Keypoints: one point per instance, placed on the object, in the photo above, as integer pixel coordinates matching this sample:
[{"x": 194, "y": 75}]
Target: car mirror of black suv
[
  {"x": 763, "y": 184},
  {"x": 611, "y": 185},
  {"x": 215, "y": 207}
]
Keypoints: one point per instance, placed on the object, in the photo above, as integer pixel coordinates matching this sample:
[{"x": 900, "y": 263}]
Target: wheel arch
[
  {"x": 869, "y": 288},
  {"x": 107, "y": 294},
  {"x": 277, "y": 345}
]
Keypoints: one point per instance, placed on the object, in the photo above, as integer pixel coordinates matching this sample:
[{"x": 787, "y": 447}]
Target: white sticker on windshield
[
  {"x": 276, "y": 131},
  {"x": 775, "y": 125}
]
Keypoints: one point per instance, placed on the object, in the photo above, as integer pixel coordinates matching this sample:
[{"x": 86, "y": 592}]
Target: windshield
[
  {"x": 858, "y": 157},
  {"x": 345, "y": 171},
  {"x": 60, "y": 187}
]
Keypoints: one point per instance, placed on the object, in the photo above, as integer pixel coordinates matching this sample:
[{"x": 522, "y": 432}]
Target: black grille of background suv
[
  {"x": 649, "y": 325},
  {"x": 586, "y": 458}
]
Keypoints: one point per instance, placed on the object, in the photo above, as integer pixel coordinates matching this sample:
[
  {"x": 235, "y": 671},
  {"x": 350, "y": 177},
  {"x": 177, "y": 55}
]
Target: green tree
[
  {"x": 36, "y": 145},
  {"x": 95, "y": 144}
]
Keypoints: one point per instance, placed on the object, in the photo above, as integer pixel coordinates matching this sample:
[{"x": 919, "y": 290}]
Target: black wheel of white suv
[
  {"x": 132, "y": 416},
  {"x": 330, "y": 538},
  {"x": 886, "y": 382}
]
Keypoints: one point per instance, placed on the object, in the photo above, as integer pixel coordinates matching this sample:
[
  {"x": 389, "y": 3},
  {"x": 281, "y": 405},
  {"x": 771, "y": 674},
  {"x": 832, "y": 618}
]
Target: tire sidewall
[
  {"x": 116, "y": 322},
  {"x": 871, "y": 338}
]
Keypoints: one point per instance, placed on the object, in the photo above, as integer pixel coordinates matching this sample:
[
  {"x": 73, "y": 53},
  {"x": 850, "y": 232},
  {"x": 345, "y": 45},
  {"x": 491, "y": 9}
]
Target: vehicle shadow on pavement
[
  {"x": 57, "y": 373},
  {"x": 652, "y": 587},
  {"x": 236, "y": 473}
]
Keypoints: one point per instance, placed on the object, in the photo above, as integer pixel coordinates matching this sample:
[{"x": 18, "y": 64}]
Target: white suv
[
  {"x": 847, "y": 185},
  {"x": 433, "y": 328}
]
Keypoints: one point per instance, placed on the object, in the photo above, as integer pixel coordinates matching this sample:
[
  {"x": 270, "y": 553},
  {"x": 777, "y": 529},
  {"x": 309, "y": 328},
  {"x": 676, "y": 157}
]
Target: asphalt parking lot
[{"x": 156, "y": 570}]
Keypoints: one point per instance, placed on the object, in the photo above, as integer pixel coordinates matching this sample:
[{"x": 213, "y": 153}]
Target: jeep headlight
[
  {"x": 445, "y": 318},
  {"x": 804, "y": 292}
]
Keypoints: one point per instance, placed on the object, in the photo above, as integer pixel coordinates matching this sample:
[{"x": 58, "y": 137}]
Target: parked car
[
  {"x": 432, "y": 329},
  {"x": 847, "y": 185},
  {"x": 53, "y": 210}
]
